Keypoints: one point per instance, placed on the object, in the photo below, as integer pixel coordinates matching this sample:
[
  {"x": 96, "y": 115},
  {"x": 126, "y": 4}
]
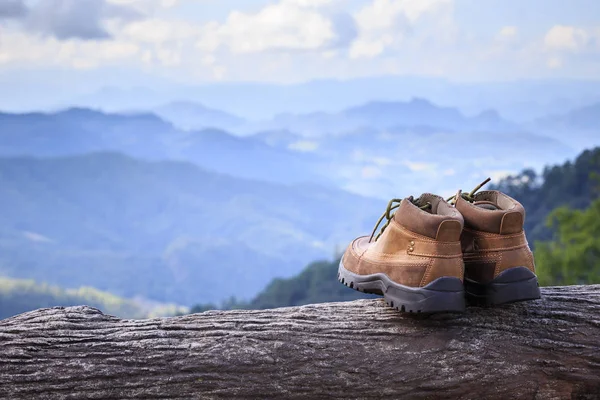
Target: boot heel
[{"x": 513, "y": 285}]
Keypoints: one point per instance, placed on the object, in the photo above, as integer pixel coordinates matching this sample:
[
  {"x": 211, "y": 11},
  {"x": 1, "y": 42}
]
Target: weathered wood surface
[{"x": 546, "y": 349}]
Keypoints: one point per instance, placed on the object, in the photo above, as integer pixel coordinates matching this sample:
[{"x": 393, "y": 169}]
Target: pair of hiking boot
[{"x": 436, "y": 255}]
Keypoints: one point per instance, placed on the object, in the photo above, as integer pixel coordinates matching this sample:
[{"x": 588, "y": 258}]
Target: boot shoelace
[
  {"x": 388, "y": 214},
  {"x": 395, "y": 203},
  {"x": 470, "y": 197}
]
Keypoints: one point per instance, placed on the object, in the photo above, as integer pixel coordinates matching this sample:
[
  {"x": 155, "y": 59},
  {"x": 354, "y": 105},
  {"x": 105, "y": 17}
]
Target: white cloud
[
  {"x": 419, "y": 166},
  {"x": 283, "y": 26},
  {"x": 382, "y": 161},
  {"x": 497, "y": 175},
  {"x": 508, "y": 36},
  {"x": 158, "y": 31},
  {"x": 449, "y": 172},
  {"x": 36, "y": 237},
  {"x": 304, "y": 146},
  {"x": 371, "y": 172},
  {"x": 568, "y": 47},
  {"x": 384, "y": 23},
  {"x": 277, "y": 27},
  {"x": 67, "y": 19},
  {"x": 562, "y": 37},
  {"x": 147, "y": 5},
  {"x": 554, "y": 62},
  {"x": 309, "y": 3},
  {"x": 297, "y": 40},
  {"x": 20, "y": 47},
  {"x": 509, "y": 31}
]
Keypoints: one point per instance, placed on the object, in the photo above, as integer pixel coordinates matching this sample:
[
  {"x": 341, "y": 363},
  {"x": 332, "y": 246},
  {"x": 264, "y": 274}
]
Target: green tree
[{"x": 573, "y": 256}]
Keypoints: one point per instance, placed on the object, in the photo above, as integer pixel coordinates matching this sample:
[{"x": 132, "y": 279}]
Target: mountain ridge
[
  {"x": 79, "y": 130},
  {"x": 583, "y": 118},
  {"x": 384, "y": 115},
  {"x": 189, "y": 115}
]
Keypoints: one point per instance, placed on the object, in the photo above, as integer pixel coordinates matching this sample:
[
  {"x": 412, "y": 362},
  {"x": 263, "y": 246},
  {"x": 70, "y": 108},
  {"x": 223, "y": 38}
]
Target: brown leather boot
[
  {"x": 415, "y": 261},
  {"x": 499, "y": 266}
]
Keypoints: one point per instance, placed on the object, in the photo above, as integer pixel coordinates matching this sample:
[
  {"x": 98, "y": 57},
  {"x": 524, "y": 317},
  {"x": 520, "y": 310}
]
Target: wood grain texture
[{"x": 545, "y": 349}]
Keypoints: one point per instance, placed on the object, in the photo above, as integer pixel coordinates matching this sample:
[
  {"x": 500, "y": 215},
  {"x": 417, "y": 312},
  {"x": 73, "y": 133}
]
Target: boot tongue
[
  {"x": 430, "y": 200},
  {"x": 488, "y": 205}
]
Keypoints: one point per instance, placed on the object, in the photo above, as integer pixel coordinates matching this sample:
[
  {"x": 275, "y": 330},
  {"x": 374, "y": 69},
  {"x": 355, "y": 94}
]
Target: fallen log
[{"x": 545, "y": 349}]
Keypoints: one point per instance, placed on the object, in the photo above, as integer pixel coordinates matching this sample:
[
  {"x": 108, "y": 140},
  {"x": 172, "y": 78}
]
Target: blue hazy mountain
[
  {"x": 167, "y": 231},
  {"x": 78, "y": 131},
  {"x": 378, "y": 149},
  {"x": 579, "y": 127},
  {"x": 387, "y": 115},
  {"x": 133, "y": 205},
  {"x": 193, "y": 116},
  {"x": 584, "y": 118},
  {"x": 421, "y": 112},
  {"x": 386, "y": 162},
  {"x": 520, "y": 100}
]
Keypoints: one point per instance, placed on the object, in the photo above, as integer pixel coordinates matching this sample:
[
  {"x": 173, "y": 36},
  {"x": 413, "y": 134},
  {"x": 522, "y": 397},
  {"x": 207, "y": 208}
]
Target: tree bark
[{"x": 545, "y": 349}]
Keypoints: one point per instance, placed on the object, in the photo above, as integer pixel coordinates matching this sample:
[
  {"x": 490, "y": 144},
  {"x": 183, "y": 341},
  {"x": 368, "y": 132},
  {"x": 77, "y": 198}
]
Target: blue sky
[{"x": 122, "y": 42}]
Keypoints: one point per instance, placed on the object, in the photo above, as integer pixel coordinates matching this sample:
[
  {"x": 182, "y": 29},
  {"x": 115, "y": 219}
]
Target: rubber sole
[
  {"x": 445, "y": 294},
  {"x": 511, "y": 286}
]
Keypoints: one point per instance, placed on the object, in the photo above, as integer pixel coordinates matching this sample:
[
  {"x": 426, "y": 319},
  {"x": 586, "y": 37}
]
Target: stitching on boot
[{"x": 427, "y": 273}]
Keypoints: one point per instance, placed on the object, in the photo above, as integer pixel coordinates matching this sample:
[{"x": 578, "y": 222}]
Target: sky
[{"x": 288, "y": 41}]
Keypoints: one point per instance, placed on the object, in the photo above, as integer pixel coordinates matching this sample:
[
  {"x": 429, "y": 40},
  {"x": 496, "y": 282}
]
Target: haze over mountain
[
  {"x": 415, "y": 113},
  {"x": 519, "y": 100},
  {"x": 166, "y": 231},
  {"x": 584, "y": 118},
  {"x": 579, "y": 127},
  {"x": 193, "y": 116},
  {"x": 193, "y": 216},
  {"x": 377, "y": 149}
]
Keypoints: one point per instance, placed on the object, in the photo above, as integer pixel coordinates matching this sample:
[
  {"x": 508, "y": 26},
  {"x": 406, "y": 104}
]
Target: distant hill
[
  {"x": 377, "y": 150},
  {"x": 78, "y": 131},
  {"x": 81, "y": 130},
  {"x": 194, "y": 116},
  {"x": 18, "y": 296},
  {"x": 166, "y": 231},
  {"x": 520, "y": 100},
  {"x": 584, "y": 118},
  {"x": 421, "y": 112},
  {"x": 415, "y": 113},
  {"x": 386, "y": 162},
  {"x": 413, "y": 146},
  {"x": 580, "y": 127}
]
